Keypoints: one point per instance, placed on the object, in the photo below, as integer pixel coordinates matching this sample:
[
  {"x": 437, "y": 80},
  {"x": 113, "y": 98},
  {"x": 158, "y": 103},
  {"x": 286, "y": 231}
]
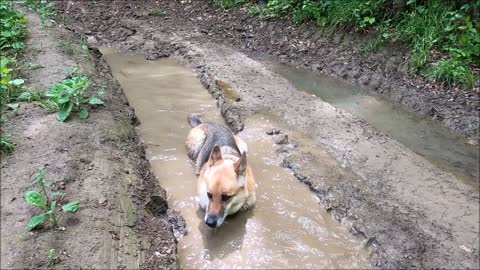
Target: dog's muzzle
[{"x": 211, "y": 221}]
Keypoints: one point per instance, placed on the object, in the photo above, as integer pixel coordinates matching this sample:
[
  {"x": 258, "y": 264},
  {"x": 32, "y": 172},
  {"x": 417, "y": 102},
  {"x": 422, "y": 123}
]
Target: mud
[
  {"x": 386, "y": 72},
  {"x": 285, "y": 229},
  {"x": 413, "y": 213},
  {"x": 99, "y": 162}
]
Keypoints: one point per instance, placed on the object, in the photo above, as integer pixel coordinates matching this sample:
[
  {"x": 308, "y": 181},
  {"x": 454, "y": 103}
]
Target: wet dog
[{"x": 225, "y": 180}]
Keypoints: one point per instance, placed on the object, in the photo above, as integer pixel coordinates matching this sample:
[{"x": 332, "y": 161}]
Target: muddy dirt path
[
  {"x": 285, "y": 230},
  {"x": 416, "y": 214},
  {"x": 98, "y": 161}
]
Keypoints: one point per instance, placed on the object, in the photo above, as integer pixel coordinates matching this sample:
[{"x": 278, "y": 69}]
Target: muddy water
[
  {"x": 286, "y": 229},
  {"x": 422, "y": 135}
]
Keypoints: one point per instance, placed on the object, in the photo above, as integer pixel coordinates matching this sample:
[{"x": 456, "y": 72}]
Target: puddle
[
  {"x": 286, "y": 229},
  {"x": 425, "y": 137}
]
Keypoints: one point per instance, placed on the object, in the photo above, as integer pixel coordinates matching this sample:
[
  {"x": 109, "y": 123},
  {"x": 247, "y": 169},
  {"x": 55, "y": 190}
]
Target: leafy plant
[
  {"x": 53, "y": 257},
  {"x": 66, "y": 47},
  {"x": 69, "y": 96},
  {"x": 9, "y": 86},
  {"x": 443, "y": 35},
  {"x": 42, "y": 7},
  {"x": 453, "y": 71},
  {"x": 13, "y": 28},
  {"x": 42, "y": 200},
  {"x": 6, "y": 146}
]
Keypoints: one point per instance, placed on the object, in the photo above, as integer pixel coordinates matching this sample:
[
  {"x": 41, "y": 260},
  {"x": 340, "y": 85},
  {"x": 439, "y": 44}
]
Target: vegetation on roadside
[
  {"x": 42, "y": 7},
  {"x": 442, "y": 34},
  {"x": 43, "y": 201},
  {"x": 12, "y": 35},
  {"x": 69, "y": 95}
]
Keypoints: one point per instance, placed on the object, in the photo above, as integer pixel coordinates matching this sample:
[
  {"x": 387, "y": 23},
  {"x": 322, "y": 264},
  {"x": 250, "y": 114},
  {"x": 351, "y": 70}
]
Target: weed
[
  {"x": 42, "y": 201},
  {"x": 53, "y": 257},
  {"x": 30, "y": 96},
  {"x": 6, "y": 145},
  {"x": 452, "y": 72},
  {"x": 84, "y": 44},
  {"x": 67, "y": 47},
  {"x": 435, "y": 30},
  {"x": 35, "y": 66},
  {"x": 13, "y": 28},
  {"x": 226, "y": 4},
  {"x": 69, "y": 96},
  {"x": 255, "y": 10},
  {"x": 42, "y": 7},
  {"x": 9, "y": 87}
]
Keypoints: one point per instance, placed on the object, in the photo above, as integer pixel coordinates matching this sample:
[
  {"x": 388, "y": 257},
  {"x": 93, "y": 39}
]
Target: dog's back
[{"x": 204, "y": 136}]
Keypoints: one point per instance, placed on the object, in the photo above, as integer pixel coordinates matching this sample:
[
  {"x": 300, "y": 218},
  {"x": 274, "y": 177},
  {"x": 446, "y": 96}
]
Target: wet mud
[
  {"x": 409, "y": 211},
  {"x": 286, "y": 229}
]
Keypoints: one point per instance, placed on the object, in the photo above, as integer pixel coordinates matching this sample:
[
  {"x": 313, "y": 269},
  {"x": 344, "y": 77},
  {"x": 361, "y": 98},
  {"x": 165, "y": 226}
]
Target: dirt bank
[
  {"x": 413, "y": 214},
  {"x": 336, "y": 54},
  {"x": 123, "y": 221}
]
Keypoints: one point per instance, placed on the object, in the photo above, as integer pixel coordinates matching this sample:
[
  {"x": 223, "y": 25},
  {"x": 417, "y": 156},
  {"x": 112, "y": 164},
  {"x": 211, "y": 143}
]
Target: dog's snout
[{"x": 211, "y": 221}]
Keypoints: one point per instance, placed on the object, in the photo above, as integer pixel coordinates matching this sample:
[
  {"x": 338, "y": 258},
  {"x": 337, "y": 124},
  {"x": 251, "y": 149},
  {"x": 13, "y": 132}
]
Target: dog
[{"x": 225, "y": 180}]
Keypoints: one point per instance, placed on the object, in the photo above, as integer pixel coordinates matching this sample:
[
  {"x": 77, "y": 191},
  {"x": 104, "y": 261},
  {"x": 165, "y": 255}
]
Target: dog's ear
[
  {"x": 241, "y": 165},
  {"x": 215, "y": 155}
]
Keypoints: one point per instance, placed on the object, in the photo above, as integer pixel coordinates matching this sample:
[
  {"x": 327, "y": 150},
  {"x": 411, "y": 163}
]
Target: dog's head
[{"x": 225, "y": 182}]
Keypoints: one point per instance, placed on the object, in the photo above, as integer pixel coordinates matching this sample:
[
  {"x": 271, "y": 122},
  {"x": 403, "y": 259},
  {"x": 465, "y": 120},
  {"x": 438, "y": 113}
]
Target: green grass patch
[{"x": 443, "y": 34}]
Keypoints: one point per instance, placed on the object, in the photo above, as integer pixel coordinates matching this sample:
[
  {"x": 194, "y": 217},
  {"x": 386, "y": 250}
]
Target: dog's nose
[{"x": 211, "y": 221}]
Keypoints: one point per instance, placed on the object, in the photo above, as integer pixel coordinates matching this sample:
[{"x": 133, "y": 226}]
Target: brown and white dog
[{"x": 225, "y": 180}]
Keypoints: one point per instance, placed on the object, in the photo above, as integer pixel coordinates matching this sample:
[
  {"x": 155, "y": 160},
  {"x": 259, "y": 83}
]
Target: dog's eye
[
  {"x": 226, "y": 197},
  {"x": 209, "y": 195}
]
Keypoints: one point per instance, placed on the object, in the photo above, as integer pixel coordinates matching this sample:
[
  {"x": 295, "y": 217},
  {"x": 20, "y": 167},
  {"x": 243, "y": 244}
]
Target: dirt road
[{"x": 409, "y": 212}]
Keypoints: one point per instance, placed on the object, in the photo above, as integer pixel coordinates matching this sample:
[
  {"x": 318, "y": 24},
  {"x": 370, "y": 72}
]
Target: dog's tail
[{"x": 194, "y": 119}]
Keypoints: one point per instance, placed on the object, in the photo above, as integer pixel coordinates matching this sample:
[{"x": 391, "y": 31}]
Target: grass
[
  {"x": 442, "y": 34},
  {"x": 67, "y": 47}
]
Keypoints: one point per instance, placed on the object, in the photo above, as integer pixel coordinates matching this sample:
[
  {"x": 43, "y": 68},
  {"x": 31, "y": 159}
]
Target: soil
[
  {"x": 411, "y": 213},
  {"x": 123, "y": 221},
  {"x": 407, "y": 208}
]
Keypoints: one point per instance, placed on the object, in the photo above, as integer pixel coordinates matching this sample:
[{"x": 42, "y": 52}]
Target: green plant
[
  {"x": 6, "y": 146},
  {"x": 9, "y": 87},
  {"x": 67, "y": 47},
  {"x": 30, "y": 96},
  {"x": 42, "y": 7},
  {"x": 69, "y": 96},
  {"x": 453, "y": 72},
  {"x": 53, "y": 257},
  {"x": 13, "y": 28},
  {"x": 42, "y": 201},
  {"x": 84, "y": 44}
]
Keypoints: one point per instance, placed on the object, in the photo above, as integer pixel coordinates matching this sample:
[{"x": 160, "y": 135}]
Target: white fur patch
[{"x": 203, "y": 198}]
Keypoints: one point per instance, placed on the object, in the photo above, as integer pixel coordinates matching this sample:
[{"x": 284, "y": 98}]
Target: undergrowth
[
  {"x": 442, "y": 34},
  {"x": 13, "y": 32}
]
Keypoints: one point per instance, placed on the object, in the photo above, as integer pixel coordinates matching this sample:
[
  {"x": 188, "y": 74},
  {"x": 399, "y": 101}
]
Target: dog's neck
[{"x": 229, "y": 153}]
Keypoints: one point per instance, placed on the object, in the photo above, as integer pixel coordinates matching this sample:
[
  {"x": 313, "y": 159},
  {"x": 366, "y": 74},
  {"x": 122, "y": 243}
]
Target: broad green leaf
[
  {"x": 65, "y": 111},
  {"x": 35, "y": 198},
  {"x": 83, "y": 114},
  {"x": 35, "y": 222},
  {"x": 94, "y": 100},
  {"x": 17, "y": 82},
  {"x": 71, "y": 207},
  {"x": 13, "y": 106}
]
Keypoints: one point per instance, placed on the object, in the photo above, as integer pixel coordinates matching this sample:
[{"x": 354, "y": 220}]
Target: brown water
[
  {"x": 422, "y": 135},
  {"x": 286, "y": 229}
]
